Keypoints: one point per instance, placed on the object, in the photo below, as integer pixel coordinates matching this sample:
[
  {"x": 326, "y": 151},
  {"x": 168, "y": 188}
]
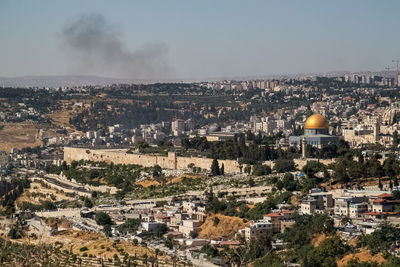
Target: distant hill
[
  {"x": 80, "y": 80},
  {"x": 57, "y": 81}
]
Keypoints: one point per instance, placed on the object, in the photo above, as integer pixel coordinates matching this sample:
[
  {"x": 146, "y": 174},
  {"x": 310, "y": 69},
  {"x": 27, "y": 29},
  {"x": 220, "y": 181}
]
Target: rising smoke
[{"x": 95, "y": 47}]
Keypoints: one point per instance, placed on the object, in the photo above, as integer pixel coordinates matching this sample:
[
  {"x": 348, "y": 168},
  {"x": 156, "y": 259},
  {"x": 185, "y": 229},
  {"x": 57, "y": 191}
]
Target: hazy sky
[{"x": 196, "y": 39}]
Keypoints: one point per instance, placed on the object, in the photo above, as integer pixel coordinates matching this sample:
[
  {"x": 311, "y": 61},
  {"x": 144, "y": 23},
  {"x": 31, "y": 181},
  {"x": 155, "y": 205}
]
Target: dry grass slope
[
  {"x": 37, "y": 192},
  {"x": 18, "y": 135},
  {"x": 363, "y": 255},
  {"x": 317, "y": 239},
  {"x": 228, "y": 226}
]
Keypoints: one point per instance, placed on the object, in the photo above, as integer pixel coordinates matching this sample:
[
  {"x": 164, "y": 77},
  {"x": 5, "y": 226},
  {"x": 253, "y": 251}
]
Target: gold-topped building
[
  {"x": 316, "y": 133},
  {"x": 316, "y": 124},
  {"x": 316, "y": 121}
]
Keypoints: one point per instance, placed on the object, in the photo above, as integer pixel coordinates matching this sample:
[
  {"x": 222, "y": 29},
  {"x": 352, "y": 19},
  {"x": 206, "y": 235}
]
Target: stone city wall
[
  {"x": 300, "y": 163},
  {"x": 172, "y": 161},
  {"x": 119, "y": 156}
]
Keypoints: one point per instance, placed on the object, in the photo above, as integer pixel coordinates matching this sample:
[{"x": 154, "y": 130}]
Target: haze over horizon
[{"x": 156, "y": 40}]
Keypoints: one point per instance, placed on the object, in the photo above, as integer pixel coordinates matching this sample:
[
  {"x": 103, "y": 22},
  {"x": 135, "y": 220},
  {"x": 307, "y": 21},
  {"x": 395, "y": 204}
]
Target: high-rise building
[
  {"x": 398, "y": 79},
  {"x": 178, "y": 127}
]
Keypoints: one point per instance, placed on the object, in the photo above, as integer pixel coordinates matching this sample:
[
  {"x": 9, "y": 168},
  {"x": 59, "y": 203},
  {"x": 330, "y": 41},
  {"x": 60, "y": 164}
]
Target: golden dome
[{"x": 316, "y": 121}]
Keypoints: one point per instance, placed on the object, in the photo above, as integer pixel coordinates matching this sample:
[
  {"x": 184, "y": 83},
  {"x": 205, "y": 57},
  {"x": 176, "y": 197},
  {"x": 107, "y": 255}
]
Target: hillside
[
  {"x": 18, "y": 135},
  {"x": 228, "y": 226},
  {"x": 364, "y": 256}
]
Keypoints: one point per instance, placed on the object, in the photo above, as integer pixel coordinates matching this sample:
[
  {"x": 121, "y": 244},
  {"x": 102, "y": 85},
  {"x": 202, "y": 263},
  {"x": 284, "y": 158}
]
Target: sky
[{"x": 188, "y": 39}]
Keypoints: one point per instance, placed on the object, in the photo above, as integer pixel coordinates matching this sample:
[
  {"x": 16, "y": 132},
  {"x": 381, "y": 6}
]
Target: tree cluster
[
  {"x": 257, "y": 150},
  {"x": 347, "y": 169},
  {"x": 232, "y": 207},
  {"x": 299, "y": 238}
]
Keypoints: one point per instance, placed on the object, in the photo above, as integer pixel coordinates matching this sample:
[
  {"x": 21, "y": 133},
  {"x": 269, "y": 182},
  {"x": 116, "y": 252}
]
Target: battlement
[{"x": 120, "y": 156}]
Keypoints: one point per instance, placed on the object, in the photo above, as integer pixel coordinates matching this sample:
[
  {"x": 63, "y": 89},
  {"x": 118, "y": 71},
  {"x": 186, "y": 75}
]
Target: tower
[{"x": 303, "y": 148}]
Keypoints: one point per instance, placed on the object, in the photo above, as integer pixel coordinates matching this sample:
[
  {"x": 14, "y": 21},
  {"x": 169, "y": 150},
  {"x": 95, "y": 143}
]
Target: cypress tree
[{"x": 215, "y": 167}]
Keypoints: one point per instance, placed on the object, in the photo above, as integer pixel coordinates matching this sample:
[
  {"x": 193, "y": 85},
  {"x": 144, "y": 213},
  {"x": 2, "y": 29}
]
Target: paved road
[{"x": 201, "y": 262}]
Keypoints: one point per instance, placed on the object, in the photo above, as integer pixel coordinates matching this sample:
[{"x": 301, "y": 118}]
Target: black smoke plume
[{"x": 95, "y": 47}]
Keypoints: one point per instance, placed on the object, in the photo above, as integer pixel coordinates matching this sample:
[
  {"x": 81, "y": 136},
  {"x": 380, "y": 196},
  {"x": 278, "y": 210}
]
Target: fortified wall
[
  {"x": 119, "y": 156},
  {"x": 172, "y": 161},
  {"x": 300, "y": 163}
]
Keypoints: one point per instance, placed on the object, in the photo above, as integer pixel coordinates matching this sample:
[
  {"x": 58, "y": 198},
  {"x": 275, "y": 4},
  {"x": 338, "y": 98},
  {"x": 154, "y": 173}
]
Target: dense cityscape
[
  {"x": 204, "y": 173},
  {"x": 199, "y": 133}
]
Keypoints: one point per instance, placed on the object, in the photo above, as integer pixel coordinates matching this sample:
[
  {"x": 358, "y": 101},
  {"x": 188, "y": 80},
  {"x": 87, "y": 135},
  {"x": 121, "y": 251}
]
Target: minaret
[{"x": 303, "y": 146}]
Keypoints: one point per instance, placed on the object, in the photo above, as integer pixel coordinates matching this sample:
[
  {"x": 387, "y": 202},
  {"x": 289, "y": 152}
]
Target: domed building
[
  {"x": 316, "y": 124},
  {"x": 316, "y": 133}
]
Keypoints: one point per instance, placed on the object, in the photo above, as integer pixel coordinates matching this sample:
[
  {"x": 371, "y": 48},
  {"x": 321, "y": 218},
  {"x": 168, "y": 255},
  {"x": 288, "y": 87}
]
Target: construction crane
[{"x": 397, "y": 61}]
